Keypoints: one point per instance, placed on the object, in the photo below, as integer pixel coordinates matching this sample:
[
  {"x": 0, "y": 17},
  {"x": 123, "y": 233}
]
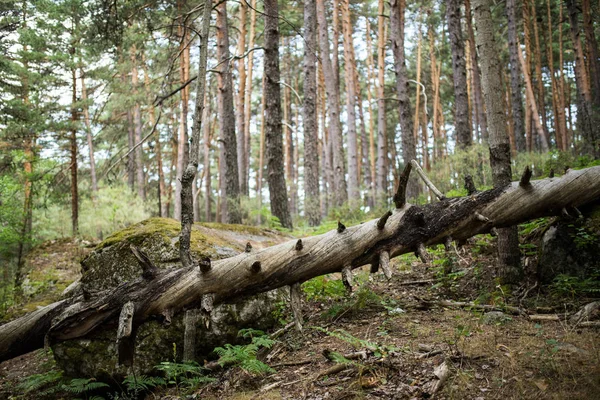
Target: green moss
[{"x": 233, "y": 227}]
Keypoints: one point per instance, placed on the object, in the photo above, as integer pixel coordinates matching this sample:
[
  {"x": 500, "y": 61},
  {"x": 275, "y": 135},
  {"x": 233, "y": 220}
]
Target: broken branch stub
[
  {"x": 400, "y": 195},
  {"x": 526, "y": 177},
  {"x": 428, "y": 182},
  {"x": 381, "y": 222},
  {"x": 296, "y": 304},
  {"x": 125, "y": 338},
  {"x": 347, "y": 278},
  {"x": 149, "y": 271},
  {"x": 341, "y": 227},
  {"x": 470, "y": 185},
  {"x": 384, "y": 263}
]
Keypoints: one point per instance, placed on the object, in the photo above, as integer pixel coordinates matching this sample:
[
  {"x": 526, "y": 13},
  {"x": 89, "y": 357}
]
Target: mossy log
[{"x": 409, "y": 228}]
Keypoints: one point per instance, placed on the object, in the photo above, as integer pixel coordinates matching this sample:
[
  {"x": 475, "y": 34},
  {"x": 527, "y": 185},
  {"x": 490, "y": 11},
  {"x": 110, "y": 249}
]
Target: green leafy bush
[{"x": 244, "y": 356}]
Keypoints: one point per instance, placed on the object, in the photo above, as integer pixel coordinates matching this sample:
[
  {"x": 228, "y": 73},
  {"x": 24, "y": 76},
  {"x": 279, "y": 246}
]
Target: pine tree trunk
[
  {"x": 230, "y": 201},
  {"x": 248, "y": 98},
  {"x": 515, "y": 77},
  {"x": 409, "y": 151},
  {"x": 381, "y": 178},
  {"x": 477, "y": 94},
  {"x": 541, "y": 98},
  {"x": 333, "y": 107},
  {"x": 533, "y": 107},
  {"x": 261, "y": 147},
  {"x": 352, "y": 141},
  {"x": 240, "y": 114},
  {"x": 131, "y": 156},
  {"x": 88, "y": 131},
  {"x": 370, "y": 81},
  {"x": 207, "y": 164},
  {"x": 309, "y": 116},
  {"x": 273, "y": 132},
  {"x": 464, "y": 137},
  {"x": 508, "y": 241},
  {"x": 137, "y": 122},
  {"x": 73, "y": 152}
]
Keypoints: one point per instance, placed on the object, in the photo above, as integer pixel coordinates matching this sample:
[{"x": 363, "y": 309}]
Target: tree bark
[
  {"x": 240, "y": 114},
  {"x": 408, "y": 228},
  {"x": 333, "y": 109},
  {"x": 381, "y": 178},
  {"x": 183, "y": 147},
  {"x": 73, "y": 153},
  {"x": 189, "y": 175},
  {"x": 515, "y": 77},
  {"x": 508, "y": 240},
  {"x": 273, "y": 132},
  {"x": 463, "y": 135},
  {"x": 309, "y": 116},
  {"x": 137, "y": 128},
  {"x": 352, "y": 142},
  {"x": 409, "y": 147},
  {"x": 248, "y": 96},
  {"x": 477, "y": 93},
  {"x": 230, "y": 201}
]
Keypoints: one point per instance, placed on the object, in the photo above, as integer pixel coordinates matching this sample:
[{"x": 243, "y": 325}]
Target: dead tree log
[{"x": 404, "y": 231}]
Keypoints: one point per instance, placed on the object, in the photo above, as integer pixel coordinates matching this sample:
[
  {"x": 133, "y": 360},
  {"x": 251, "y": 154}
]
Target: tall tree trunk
[
  {"x": 73, "y": 151},
  {"x": 248, "y": 98},
  {"x": 309, "y": 116},
  {"x": 508, "y": 240},
  {"x": 560, "y": 123},
  {"x": 240, "y": 114},
  {"x": 333, "y": 107},
  {"x": 531, "y": 137},
  {"x": 261, "y": 147},
  {"x": 381, "y": 179},
  {"x": 409, "y": 151},
  {"x": 370, "y": 81},
  {"x": 162, "y": 191},
  {"x": 477, "y": 94},
  {"x": 88, "y": 132},
  {"x": 29, "y": 155},
  {"x": 435, "y": 87},
  {"x": 289, "y": 161},
  {"x": 463, "y": 135},
  {"x": 137, "y": 122},
  {"x": 568, "y": 135},
  {"x": 584, "y": 109},
  {"x": 189, "y": 175},
  {"x": 207, "y": 173},
  {"x": 273, "y": 132},
  {"x": 230, "y": 201},
  {"x": 327, "y": 155},
  {"x": 515, "y": 77},
  {"x": 541, "y": 101},
  {"x": 183, "y": 146},
  {"x": 131, "y": 156},
  {"x": 352, "y": 142},
  {"x": 592, "y": 52},
  {"x": 533, "y": 107}
]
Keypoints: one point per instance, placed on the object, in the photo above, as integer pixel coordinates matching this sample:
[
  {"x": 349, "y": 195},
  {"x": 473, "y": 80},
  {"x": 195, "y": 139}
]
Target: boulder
[
  {"x": 569, "y": 247},
  {"x": 112, "y": 263}
]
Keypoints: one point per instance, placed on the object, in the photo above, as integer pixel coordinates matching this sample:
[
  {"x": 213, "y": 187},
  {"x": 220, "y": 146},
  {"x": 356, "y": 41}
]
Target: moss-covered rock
[{"x": 112, "y": 263}]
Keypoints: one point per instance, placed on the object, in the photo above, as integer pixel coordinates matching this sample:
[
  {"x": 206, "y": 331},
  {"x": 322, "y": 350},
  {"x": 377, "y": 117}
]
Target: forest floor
[{"x": 397, "y": 342}]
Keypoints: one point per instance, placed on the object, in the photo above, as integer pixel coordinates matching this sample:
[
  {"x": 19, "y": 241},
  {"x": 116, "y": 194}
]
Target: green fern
[
  {"x": 38, "y": 381},
  {"x": 80, "y": 385},
  {"x": 244, "y": 356},
  {"x": 142, "y": 383}
]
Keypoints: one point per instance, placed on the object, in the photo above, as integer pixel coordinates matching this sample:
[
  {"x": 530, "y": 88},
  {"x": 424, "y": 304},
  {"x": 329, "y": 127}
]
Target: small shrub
[{"x": 244, "y": 356}]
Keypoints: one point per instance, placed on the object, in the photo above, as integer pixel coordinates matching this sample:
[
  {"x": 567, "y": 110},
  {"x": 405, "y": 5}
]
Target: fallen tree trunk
[{"x": 160, "y": 294}]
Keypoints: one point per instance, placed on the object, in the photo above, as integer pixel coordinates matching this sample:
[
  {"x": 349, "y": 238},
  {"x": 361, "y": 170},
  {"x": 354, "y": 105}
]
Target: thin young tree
[
  {"x": 508, "y": 241},
  {"x": 273, "y": 128}
]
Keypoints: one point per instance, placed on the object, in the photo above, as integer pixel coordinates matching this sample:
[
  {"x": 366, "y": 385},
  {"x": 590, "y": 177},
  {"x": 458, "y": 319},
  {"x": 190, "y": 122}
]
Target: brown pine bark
[
  {"x": 248, "y": 97},
  {"x": 541, "y": 133},
  {"x": 584, "y": 110},
  {"x": 207, "y": 161},
  {"x": 370, "y": 81},
  {"x": 230, "y": 188},
  {"x": 131, "y": 156},
  {"x": 340, "y": 192},
  {"x": 463, "y": 135},
  {"x": 309, "y": 116},
  {"x": 88, "y": 132},
  {"x": 515, "y": 77},
  {"x": 261, "y": 146},
  {"x": 592, "y": 55},
  {"x": 381, "y": 178},
  {"x": 560, "y": 123},
  {"x": 73, "y": 153},
  {"x": 477, "y": 93},
  {"x": 409, "y": 151},
  {"x": 510, "y": 269},
  {"x": 137, "y": 127},
  {"x": 273, "y": 132},
  {"x": 240, "y": 114},
  {"x": 351, "y": 90},
  {"x": 541, "y": 100}
]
